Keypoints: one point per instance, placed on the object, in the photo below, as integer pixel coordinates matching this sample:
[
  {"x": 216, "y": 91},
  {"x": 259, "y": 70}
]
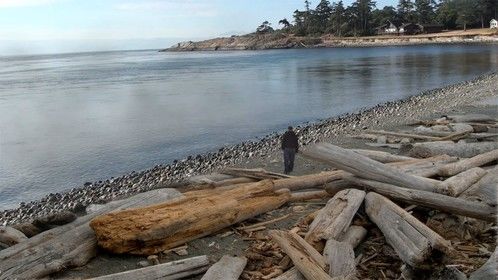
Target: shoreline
[
  {"x": 398, "y": 112},
  {"x": 287, "y": 41}
]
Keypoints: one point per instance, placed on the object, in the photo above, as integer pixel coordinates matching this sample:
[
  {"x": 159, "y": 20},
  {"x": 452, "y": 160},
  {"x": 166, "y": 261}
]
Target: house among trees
[
  {"x": 388, "y": 29},
  {"x": 493, "y": 24},
  {"x": 410, "y": 29}
]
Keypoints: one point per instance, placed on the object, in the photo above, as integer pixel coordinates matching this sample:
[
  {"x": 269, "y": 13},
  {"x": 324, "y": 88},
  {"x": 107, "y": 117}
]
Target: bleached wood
[
  {"x": 464, "y": 150},
  {"x": 153, "y": 229},
  {"x": 307, "y": 260},
  {"x": 480, "y": 118},
  {"x": 381, "y": 156},
  {"x": 354, "y": 235},
  {"x": 334, "y": 219},
  {"x": 406, "y": 135},
  {"x": 465, "y": 164},
  {"x": 11, "y": 236},
  {"x": 489, "y": 270},
  {"x": 457, "y": 184},
  {"x": 291, "y": 274},
  {"x": 484, "y": 190},
  {"x": 367, "y": 168},
  {"x": 258, "y": 173},
  {"x": 436, "y": 201},
  {"x": 307, "y": 181},
  {"x": 412, "y": 240},
  {"x": 71, "y": 245},
  {"x": 228, "y": 267},
  {"x": 340, "y": 258},
  {"x": 167, "y": 271}
]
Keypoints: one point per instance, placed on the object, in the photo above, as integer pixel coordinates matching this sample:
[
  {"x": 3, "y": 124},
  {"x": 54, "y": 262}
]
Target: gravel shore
[{"x": 266, "y": 150}]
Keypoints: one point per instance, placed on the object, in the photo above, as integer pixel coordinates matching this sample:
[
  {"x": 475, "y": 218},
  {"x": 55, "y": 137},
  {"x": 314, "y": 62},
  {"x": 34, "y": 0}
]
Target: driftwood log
[
  {"x": 381, "y": 156},
  {"x": 465, "y": 164},
  {"x": 308, "y": 195},
  {"x": 71, "y": 245},
  {"x": 412, "y": 240},
  {"x": 485, "y": 190},
  {"x": 457, "y": 184},
  {"x": 257, "y": 173},
  {"x": 367, "y": 168},
  {"x": 334, "y": 219},
  {"x": 464, "y": 150},
  {"x": 480, "y": 118},
  {"x": 489, "y": 270},
  {"x": 405, "y": 135},
  {"x": 340, "y": 258},
  {"x": 436, "y": 201},
  {"x": 306, "y": 259},
  {"x": 167, "y": 271},
  {"x": 11, "y": 236},
  {"x": 153, "y": 229},
  {"x": 229, "y": 268}
]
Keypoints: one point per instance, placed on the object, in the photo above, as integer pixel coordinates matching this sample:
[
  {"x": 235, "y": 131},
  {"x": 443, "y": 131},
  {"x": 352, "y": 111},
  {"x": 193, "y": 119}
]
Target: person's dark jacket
[{"x": 289, "y": 140}]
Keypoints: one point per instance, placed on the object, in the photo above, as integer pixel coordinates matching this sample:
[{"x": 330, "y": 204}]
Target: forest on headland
[{"x": 363, "y": 18}]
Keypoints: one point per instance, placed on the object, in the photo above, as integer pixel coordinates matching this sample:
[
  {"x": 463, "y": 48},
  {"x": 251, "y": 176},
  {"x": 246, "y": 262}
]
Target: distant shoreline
[{"x": 287, "y": 41}]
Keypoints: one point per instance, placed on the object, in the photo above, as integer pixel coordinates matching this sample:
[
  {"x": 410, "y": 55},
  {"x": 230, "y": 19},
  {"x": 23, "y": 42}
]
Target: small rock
[
  {"x": 143, "y": 264},
  {"x": 153, "y": 259},
  {"x": 181, "y": 252}
]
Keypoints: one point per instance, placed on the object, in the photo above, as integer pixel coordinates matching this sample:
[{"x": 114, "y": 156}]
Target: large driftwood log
[
  {"x": 307, "y": 181},
  {"x": 11, "y": 236},
  {"x": 340, "y": 258},
  {"x": 485, "y": 190},
  {"x": 436, "y": 201},
  {"x": 457, "y": 184},
  {"x": 257, "y": 173},
  {"x": 367, "y": 168},
  {"x": 167, "y": 271},
  {"x": 227, "y": 267},
  {"x": 334, "y": 219},
  {"x": 153, "y": 229},
  {"x": 465, "y": 164},
  {"x": 464, "y": 150},
  {"x": 381, "y": 156},
  {"x": 412, "y": 240},
  {"x": 489, "y": 270},
  {"x": 480, "y": 118},
  {"x": 303, "y": 196},
  {"x": 71, "y": 245},
  {"x": 406, "y": 135},
  {"x": 307, "y": 260}
]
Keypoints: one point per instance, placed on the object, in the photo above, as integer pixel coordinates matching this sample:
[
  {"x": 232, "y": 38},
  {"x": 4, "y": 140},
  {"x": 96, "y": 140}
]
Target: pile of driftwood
[{"x": 374, "y": 198}]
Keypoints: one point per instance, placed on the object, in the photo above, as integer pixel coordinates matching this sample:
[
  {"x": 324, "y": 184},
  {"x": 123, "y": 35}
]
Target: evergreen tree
[
  {"x": 337, "y": 22},
  {"x": 322, "y": 16},
  {"x": 362, "y": 11},
  {"x": 424, "y": 10},
  {"x": 406, "y": 11},
  {"x": 467, "y": 12},
  {"x": 447, "y": 13},
  {"x": 381, "y": 17}
]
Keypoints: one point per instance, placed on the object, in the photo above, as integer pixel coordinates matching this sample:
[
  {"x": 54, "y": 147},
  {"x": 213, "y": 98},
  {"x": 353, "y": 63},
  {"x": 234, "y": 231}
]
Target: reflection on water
[{"x": 67, "y": 119}]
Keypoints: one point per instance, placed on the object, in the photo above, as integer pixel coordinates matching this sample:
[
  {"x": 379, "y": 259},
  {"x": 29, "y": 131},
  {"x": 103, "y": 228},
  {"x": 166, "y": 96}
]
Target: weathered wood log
[
  {"x": 340, "y": 258},
  {"x": 307, "y": 181},
  {"x": 153, "y": 229},
  {"x": 457, "y": 184},
  {"x": 209, "y": 178},
  {"x": 11, "y": 236},
  {"x": 464, "y": 150},
  {"x": 307, "y": 260},
  {"x": 380, "y": 156},
  {"x": 303, "y": 196},
  {"x": 334, "y": 219},
  {"x": 54, "y": 220},
  {"x": 228, "y": 267},
  {"x": 264, "y": 223},
  {"x": 485, "y": 190},
  {"x": 406, "y": 135},
  {"x": 257, "y": 173},
  {"x": 167, "y": 271},
  {"x": 436, "y": 201},
  {"x": 367, "y": 168},
  {"x": 384, "y": 145},
  {"x": 71, "y": 245},
  {"x": 354, "y": 236},
  {"x": 465, "y": 164},
  {"x": 291, "y": 274},
  {"x": 480, "y": 118},
  {"x": 489, "y": 270},
  {"x": 412, "y": 240}
]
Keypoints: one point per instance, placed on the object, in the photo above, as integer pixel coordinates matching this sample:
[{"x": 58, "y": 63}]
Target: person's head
[{"x": 289, "y": 128}]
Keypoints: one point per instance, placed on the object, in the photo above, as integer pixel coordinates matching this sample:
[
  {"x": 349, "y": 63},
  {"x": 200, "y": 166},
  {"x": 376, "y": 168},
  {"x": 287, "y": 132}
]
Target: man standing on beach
[{"x": 290, "y": 146}]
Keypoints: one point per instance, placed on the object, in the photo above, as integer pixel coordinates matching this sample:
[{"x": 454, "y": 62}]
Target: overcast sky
[{"x": 51, "y": 26}]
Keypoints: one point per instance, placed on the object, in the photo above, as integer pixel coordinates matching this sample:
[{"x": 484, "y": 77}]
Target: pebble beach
[{"x": 266, "y": 149}]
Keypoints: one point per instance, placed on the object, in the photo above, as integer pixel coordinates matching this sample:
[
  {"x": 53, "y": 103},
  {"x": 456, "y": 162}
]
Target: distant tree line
[{"x": 362, "y": 17}]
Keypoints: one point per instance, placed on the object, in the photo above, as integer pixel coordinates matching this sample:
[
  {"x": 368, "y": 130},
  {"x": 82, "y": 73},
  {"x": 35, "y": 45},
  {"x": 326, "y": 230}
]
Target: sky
[{"x": 54, "y": 26}]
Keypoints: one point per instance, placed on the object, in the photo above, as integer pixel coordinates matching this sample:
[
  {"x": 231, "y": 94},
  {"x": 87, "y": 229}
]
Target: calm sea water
[{"x": 70, "y": 118}]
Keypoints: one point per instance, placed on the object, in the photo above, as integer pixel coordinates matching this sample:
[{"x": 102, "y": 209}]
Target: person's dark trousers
[{"x": 289, "y": 154}]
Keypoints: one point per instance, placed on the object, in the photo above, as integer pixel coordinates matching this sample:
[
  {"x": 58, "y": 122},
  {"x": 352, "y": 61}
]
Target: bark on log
[
  {"x": 11, "y": 236},
  {"x": 465, "y": 164},
  {"x": 229, "y": 268},
  {"x": 307, "y": 260},
  {"x": 457, "y": 184},
  {"x": 464, "y": 150},
  {"x": 436, "y": 201},
  {"x": 489, "y": 270},
  {"x": 167, "y": 271},
  {"x": 71, "y": 245},
  {"x": 412, "y": 240},
  {"x": 340, "y": 258},
  {"x": 153, "y": 229},
  {"x": 303, "y": 196},
  {"x": 485, "y": 190},
  {"x": 334, "y": 219},
  {"x": 367, "y": 168},
  {"x": 380, "y": 156}
]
